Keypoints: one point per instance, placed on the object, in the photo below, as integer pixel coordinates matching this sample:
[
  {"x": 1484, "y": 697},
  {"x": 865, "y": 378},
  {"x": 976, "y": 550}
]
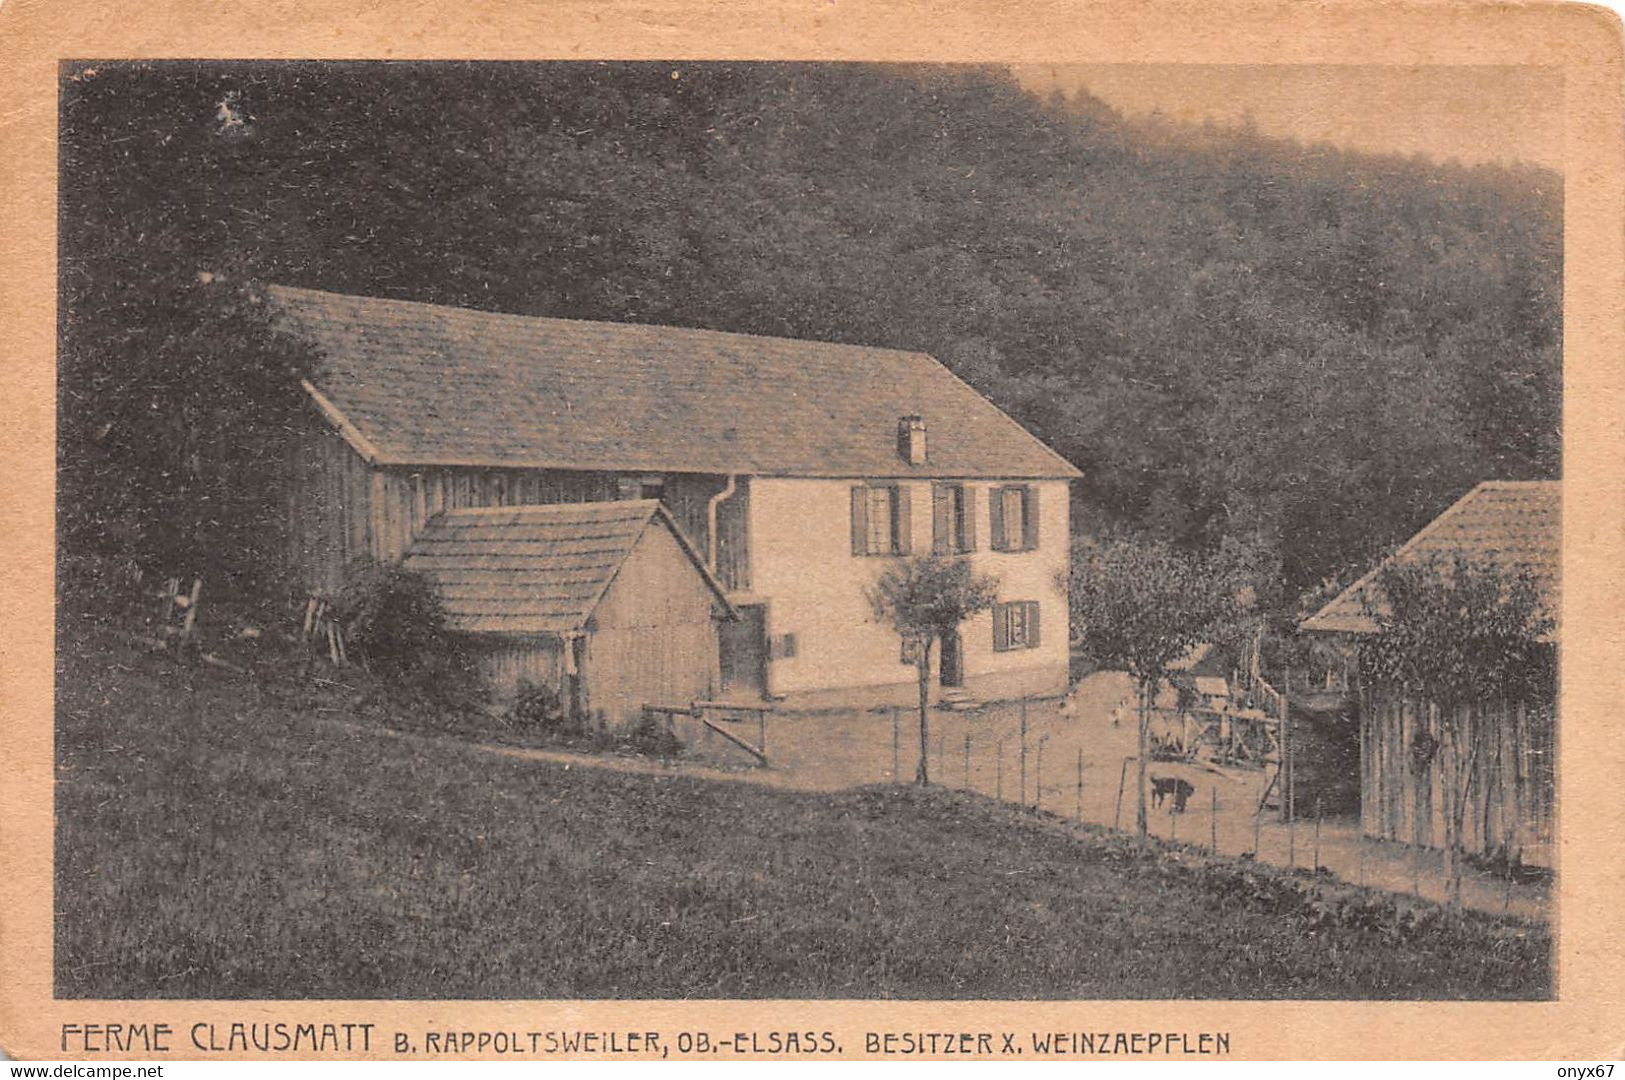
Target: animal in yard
[{"x": 1164, "y": 786}]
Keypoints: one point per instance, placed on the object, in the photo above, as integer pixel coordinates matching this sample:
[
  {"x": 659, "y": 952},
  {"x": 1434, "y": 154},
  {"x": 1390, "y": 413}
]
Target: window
[
  {"x": 1015, "y": 625},
  {"x": 880, "y": 519},
  {"x": 639, "y": 487},
  {"x": 1013, "y": 511},
  {"x": 953, "y": 519},
  {"x": 782, "y": 647}
]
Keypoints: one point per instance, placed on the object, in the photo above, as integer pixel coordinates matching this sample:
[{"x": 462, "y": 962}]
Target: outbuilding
[
  {"x": 607, "y": 602},
  {"x": 1511, "y": 796}
]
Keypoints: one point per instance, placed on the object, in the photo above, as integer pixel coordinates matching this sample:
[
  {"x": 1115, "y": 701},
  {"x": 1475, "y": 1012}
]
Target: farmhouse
[
  {"x": 1510, "y": 795},
  {"x": 788, "y": 472}
]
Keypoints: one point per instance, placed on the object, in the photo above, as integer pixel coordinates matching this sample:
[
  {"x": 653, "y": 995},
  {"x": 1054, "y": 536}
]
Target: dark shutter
[
  {"x": 902, "y": 525},
  {"x": 942, "y": 520},
  {"x": 1029, "y": 517},
  {"x": 1032, "y": 624},
  {"x": 995, "y": 517},
  {"x": 967, "y": 496},
  {"x": 860, "y": 520},
  {"x": 1001, "y": 627}
]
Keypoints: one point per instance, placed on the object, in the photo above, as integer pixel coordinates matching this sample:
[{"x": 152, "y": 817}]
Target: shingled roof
[
  {"x": 535, "y": 569},
  {"x": 1508, "y": 523},
  {"x": 420, "y": 384}
]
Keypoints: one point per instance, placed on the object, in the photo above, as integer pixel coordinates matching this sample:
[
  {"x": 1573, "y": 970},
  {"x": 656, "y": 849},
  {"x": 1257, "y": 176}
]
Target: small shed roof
[
  {"x": 1510, "y": 523},
  {"x": 536, "y": 569},
  {"x": 423, "y": 384}
]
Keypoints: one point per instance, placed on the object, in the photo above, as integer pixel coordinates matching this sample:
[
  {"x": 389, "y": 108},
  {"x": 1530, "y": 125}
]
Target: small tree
[
  {"x": 925, "y": 598},
  {"x": 1138, "y": 605},
  {"x": 395, "y": 623},
  {"x": 1456, "y": 632}
]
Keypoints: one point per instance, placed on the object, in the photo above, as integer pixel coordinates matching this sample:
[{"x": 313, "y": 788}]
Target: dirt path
[{"x": 567, "y": 758}]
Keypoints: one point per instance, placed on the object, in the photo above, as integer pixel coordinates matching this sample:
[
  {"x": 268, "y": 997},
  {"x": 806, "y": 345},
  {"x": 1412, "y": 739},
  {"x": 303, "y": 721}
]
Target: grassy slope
[{"x": 213, "y": 847}]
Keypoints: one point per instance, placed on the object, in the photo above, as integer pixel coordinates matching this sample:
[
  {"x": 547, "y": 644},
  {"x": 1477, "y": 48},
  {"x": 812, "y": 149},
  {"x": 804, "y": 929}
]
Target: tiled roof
[
  {"x": 419, "y": 384},
  {"x": 1506, "y": 522},
  {"x": 534, "y": 569}
]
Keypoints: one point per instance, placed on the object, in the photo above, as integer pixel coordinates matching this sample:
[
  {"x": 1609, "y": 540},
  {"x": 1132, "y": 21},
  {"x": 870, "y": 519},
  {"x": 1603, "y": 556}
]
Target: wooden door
[
  {"x": 952, "y": 664},
  {"x": 744, "y": 652}
]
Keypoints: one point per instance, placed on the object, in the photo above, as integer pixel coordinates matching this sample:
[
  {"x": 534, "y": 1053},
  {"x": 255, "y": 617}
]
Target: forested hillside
[{"x": 1310, "y": 351}]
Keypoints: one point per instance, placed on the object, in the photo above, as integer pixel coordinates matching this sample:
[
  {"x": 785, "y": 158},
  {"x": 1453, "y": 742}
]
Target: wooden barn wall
[
  {"x": 340, "y": 508},
  {"x": 653, "y": 638},
  {"x": 409, "y": 497},
  {"x": 328, "y": 508},
  {"x": 1511, "y": 791},
  {"x": 688, "y": 497},
  {"x": 406, "y": 498},
  {"x": 503, "y": 662},
  {"x": 733, "y": 539}
]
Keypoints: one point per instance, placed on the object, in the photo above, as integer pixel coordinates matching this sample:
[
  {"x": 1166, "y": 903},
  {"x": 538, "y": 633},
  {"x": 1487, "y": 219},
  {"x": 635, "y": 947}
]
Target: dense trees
[{"x": 1310, "y": 351}]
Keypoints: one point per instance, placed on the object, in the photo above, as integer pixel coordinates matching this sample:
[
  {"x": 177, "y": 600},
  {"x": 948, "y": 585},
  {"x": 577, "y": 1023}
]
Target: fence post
[
  {"x": 1080, "y": 785},
  {"x": 1258, "y": 817},
  {"x": 1317, "y": 834},
  {"x": 761, "y": 731},
  {"x": 967, "y": 761},
  {"x": 1038, "y": 775},
  {"x": 1283, "y": 769},
  {"x": 1023, "y": 788},
  {"x": 1292, "y": 842},
  {"x": 894, "y": 729},
  {"x": 1173, "y": 825},
  {"x": 1213, "y": 822},
  {"x": 1122, "y": 777},
  {"x": 191, "y": 608}
]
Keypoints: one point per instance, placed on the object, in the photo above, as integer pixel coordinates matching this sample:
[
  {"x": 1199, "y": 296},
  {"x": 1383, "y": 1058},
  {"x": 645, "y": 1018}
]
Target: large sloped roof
[
  {"x": 1510, "y": 523},
  {"x": 534, "y": 569},
  {"x": 420, "y": 384}
]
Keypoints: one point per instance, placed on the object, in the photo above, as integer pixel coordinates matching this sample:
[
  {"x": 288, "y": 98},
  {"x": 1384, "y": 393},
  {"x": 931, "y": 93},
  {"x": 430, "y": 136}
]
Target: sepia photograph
[{"x": 807, "y": 530}]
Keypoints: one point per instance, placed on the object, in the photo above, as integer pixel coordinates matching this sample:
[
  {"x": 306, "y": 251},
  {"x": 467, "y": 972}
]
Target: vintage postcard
[{"x": 812, "y": 531}]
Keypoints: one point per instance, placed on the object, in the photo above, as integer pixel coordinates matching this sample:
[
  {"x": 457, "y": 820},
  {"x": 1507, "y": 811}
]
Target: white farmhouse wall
[{"x": 803, "y": 567}]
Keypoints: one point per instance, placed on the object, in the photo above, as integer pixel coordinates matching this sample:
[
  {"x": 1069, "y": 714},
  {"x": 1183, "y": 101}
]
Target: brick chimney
[{"x": 911, "y": 439}]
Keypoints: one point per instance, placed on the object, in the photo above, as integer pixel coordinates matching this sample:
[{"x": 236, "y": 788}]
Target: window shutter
[
  {"x": 903, "y": 525},
  {"x": 860, "y": 520},
  {"x": 969, "y": 511},
  {"x": 995, "y": 516},
  {"x": 1032, "y": 624},
  {"x": 942, "y": 520},
  {"x": 1001, "y": 627},
  {"x": 1029, "y": 517}
]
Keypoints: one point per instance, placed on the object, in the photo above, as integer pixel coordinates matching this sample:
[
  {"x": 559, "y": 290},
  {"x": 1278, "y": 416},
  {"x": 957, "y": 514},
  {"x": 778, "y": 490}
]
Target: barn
[
  {"x": 607, "y": 602},
  {"x": 1511, "y": 792}
]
